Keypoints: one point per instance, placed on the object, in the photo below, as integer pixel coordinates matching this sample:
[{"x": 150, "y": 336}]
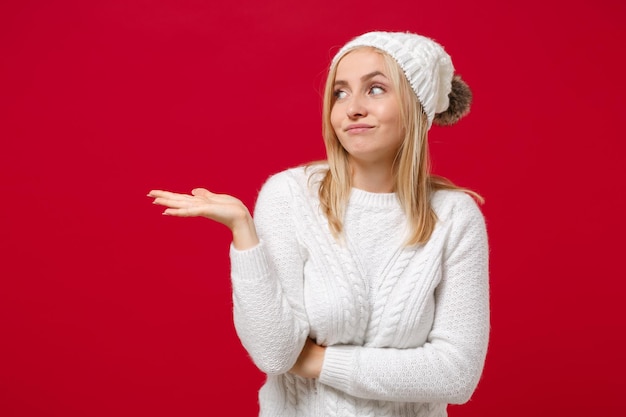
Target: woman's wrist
[
  {"x": 244, "y": 233},
  {"x": 311, "y": 360}
]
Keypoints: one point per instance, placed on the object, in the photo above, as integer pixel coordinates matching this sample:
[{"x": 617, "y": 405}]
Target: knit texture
[
  {"x": 425, "y": 63},
  {"x": 406, "y": 328}
]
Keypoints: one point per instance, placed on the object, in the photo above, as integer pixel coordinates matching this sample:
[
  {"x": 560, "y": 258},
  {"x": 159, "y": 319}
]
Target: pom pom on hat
[
  {"x": 444, "y": 97},
  {"x": 460, "y": 98}
]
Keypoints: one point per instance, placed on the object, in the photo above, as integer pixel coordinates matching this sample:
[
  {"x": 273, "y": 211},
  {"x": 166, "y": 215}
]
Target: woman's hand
[
  {"x": 222, "y": 208},
  {"x": 310, "y": 361}
]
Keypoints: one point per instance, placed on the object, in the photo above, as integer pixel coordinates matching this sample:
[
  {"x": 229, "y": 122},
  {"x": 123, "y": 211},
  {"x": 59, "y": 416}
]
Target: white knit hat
[{"x": 427, "y": 67}]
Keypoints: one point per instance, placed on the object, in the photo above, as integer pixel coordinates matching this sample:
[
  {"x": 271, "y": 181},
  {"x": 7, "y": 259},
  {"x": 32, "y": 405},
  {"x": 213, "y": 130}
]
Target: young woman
[{"x": 361, "y": 286}]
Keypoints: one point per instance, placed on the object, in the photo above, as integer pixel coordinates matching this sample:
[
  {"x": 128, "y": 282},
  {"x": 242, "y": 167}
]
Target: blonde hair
[{"x": 414, "y": 184}]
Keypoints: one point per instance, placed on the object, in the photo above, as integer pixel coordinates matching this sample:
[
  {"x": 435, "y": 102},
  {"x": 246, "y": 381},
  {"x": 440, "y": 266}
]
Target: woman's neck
[{"x": 375, "y": 178}]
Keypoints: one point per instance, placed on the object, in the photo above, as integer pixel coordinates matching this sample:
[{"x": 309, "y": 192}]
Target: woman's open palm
[{"x": 222, "y": 208}]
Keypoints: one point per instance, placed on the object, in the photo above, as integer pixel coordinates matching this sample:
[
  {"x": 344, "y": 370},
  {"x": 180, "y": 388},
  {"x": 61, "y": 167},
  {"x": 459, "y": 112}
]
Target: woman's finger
[
  {"x": 191, "y": 211},
  {"x": 179, "y": 202},
  {"x": 202, "y": 192},
  {"x": 166, "y": 194}
]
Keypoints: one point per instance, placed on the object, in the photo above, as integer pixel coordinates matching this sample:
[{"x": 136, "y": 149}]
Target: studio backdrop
[{"x": 108, "y": 308}]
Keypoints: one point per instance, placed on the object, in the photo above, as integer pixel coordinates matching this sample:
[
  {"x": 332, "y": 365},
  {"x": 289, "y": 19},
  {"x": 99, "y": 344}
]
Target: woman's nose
[{"x": 356, "y": 108}]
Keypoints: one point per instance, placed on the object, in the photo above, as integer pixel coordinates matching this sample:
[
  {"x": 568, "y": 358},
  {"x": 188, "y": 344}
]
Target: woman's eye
[
  {"x": 375, "y": 90},
  {"x": 339, "y": 94}
]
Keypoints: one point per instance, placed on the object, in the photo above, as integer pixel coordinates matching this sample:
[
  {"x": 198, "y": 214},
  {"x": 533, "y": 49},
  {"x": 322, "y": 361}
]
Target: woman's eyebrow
[
  {"x": 363, "y": 78},
  {"x": 372, "y": 75}
]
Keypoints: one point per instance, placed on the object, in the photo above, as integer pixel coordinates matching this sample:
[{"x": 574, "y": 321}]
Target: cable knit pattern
[{"x": 406, "y": 328}]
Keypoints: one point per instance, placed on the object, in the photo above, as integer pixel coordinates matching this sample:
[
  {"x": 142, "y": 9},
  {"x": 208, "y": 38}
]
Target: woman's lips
[{"x": 358, "y": 128}]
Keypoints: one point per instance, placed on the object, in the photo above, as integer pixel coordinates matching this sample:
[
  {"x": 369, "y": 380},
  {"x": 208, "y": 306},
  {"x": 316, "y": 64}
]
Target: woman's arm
[
  {"x": 448, "y": 366},
  {"x": 267, "y": 283},
  {"x": 266, "y": 269}
]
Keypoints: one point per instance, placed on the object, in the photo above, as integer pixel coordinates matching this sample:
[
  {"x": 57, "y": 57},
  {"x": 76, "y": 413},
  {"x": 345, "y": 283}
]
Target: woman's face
[{"x": 366, "y": 112}]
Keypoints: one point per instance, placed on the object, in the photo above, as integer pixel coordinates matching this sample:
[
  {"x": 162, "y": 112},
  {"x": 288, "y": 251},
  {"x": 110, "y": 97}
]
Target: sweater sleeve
[
  {"x": 267, "y": 284},
  {"x": 448, "y": 366}
]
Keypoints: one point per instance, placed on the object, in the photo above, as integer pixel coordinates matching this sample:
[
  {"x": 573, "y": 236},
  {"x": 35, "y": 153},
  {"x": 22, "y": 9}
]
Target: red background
[{"x": 108, "y": 308}]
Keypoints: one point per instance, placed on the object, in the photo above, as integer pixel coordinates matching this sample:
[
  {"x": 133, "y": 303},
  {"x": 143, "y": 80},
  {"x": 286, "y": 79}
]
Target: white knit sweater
[{"x": 406, "y": 328}]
